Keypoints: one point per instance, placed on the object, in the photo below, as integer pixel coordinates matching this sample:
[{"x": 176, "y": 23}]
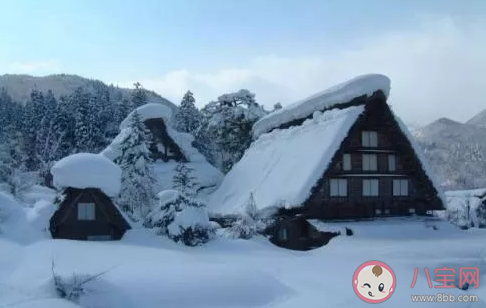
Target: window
[
  {"x": 400, "y": 187},
  {"x": 339, "y": 187},
  {"x": 392, "y": 162},
  {"x": 370, "y": 162},
  {"x": 346, "y": 162},
  {"x": 283, "y": 234},
  {"x": 370, "y": 187},
  {"x": 86, "y": 211},
  {"x": 369, "y": 139}
]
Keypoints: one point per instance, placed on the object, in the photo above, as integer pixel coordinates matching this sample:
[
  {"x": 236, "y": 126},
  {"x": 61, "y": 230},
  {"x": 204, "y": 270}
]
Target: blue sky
[{"x": 217, "y": 46}]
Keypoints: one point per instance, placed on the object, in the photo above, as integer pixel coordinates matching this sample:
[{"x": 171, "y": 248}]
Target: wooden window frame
[
  {"x": 86, "y": 211},
  {"x": 342, "y": 187},
  {"x": 400, "y": 188},
  {"x": 370, "y": 192},
  {"x": 392, "y": 162},
  {"x": 347, "y": 162},
  {"x": 366, "y": 162},
  {"x": 369, "y": 139}
]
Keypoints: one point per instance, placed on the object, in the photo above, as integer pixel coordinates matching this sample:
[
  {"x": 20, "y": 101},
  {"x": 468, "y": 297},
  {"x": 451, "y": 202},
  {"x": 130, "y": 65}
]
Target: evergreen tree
[
  {"x": 249, "y": 223},
  {"x": 46, "y": 145},
  {"x": 251, "y": 207},
  {"x": 188, "y": 118},
  {"x": 33, "y": 114},
  {"x": 138, "y": 96},
  {"x": 63, "y": 129},
  {"x": 181, "y": 218},
  {"x": 183, "y": 180},
  {"x": 277, "y": 106},
  {"x": 87, "y": 134},
  {"x": 228, "y": 123},
  {"x": 138, "y": 191}
]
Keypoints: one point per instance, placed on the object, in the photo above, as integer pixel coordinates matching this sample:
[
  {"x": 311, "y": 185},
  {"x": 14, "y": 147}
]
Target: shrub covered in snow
[
  {"x": 247, "y": 224},
  {"x": 245, "y": 227},
  {"x": 181, "y": 218},
  {"x": 72, "y": 287}
]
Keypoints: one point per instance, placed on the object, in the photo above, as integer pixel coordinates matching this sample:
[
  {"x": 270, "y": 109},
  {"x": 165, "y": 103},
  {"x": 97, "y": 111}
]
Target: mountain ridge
[{"x": 19, "y": 86}]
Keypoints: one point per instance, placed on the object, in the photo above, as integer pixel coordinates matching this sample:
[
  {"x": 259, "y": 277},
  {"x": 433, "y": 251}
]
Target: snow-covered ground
[{"x": 144, "y": 270}]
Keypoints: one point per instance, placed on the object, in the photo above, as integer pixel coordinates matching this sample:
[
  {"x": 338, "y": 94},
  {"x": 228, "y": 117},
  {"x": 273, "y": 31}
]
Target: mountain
[
  {"x": 456, "y": 152},
  {"x": 20, "y": 86},
  {"x": 479, "y": 119}
]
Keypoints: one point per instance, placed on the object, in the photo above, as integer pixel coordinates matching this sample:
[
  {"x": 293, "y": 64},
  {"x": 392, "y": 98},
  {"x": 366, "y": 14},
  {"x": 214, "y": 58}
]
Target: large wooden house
[{"x": 340, "y": 154}]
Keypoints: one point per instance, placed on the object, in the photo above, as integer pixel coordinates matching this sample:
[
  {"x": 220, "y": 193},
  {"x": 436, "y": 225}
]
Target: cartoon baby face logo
[{"x": 374, "y": 282}]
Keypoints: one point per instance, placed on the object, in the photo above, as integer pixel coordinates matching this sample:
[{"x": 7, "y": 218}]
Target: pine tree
[
  {"x": 228, "y": 123},
  {"x": 87, "y": 134},
  {"x": 251, "y": 207},
  {"x": 138, "y": 96},
  {"x": 32, "y": 118},
  {"x": 46, "y": 145},
  {"x": 188, "y": 117},
  {"x": 183, "y": 180},
  {"x": 138, "y": 191},
  {"x": 277, "y": 106},
  {"x": 181, "y": 218}
]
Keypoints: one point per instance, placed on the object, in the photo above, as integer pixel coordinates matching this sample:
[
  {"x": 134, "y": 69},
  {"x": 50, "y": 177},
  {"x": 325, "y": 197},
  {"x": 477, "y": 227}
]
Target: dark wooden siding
[{"x": 422, "y": 196}]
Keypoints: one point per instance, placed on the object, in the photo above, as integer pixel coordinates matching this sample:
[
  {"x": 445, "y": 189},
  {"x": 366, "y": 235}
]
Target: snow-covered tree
[
  {"x": 247, "y": 224},
  {"x": 277, "y": 106},
  {"x": 138, "y": 192},
  {"x": 228, "y": 122},
  {"x": 180, "y": 218},
  {"x": 251, "y": 207},
  {"x": 183, "y": 180},
  {"x": 188, "y": 118},
  {"x": 87, "y": 134},
  {"x": 138, "y": 96},
  {"x": 33, "y": 114}
]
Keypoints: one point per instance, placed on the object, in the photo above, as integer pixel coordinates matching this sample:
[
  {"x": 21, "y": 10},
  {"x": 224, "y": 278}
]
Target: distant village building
[
  {"x": 168, "y": 148},
  {"x": 339, "y": 154},
  {"x": 85, "y": 208},
  {"x": 156, "y": 117}
]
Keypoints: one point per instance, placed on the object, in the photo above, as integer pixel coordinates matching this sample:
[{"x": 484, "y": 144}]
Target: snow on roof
[
  {"x": 149, "y": 111},
  {"x": 86, "y": 170},
  {"x": 206, "y": 174},
  {"x": 423, "y": 160},
  {"x": 338, "y": 94},
  {"x": 281, "y": 167},
  {"x": 183, "y": 140}
]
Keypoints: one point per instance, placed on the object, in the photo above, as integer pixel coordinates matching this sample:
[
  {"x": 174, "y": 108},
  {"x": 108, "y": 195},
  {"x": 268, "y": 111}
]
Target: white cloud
[{"x": 437, "y": 69}]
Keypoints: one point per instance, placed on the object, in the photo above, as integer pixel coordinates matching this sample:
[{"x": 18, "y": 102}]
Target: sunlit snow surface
[{"x": 149, "y": 271}]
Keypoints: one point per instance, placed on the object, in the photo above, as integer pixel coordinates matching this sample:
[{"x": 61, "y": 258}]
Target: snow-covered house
[
  {"x": 341, "y": 153},
  {"x": 86, "y": 211},
  {"x": 168, "y": 148}
]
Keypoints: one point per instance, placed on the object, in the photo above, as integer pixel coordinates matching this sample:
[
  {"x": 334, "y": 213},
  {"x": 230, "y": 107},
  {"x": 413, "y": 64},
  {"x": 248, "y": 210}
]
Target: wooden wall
[{"x": 422, "y": 196}]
